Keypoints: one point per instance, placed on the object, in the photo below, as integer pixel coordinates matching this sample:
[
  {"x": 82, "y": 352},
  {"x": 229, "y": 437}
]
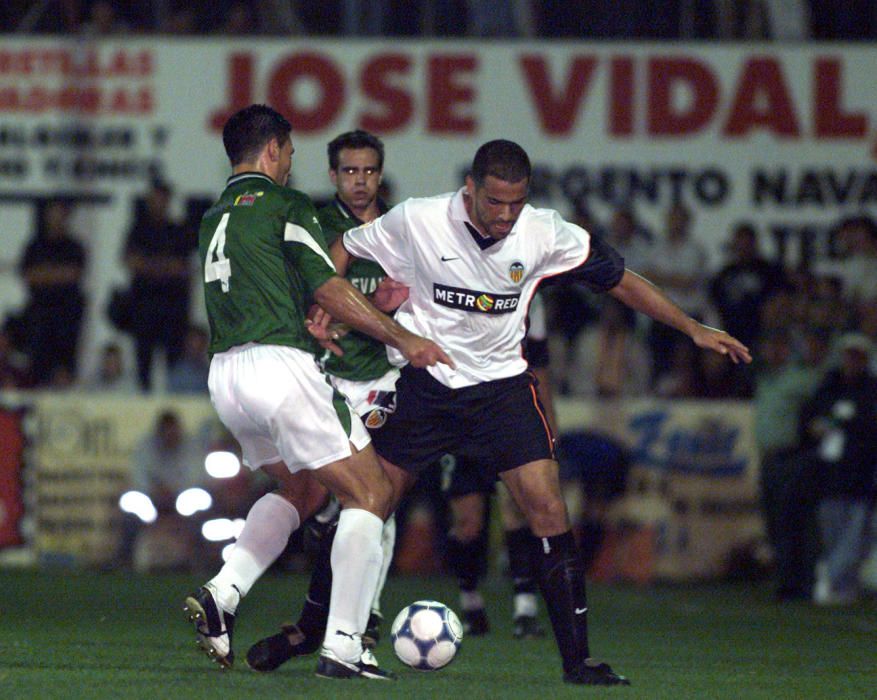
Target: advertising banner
[
  {"x": 691, "y": 508},
  {"x": 781, "y": 136},
  {"x": 11, "y": 475},
  {"x": 81, "y": 462}
]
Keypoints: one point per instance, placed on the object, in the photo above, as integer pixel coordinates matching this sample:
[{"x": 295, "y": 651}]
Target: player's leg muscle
[{"x": 535, "y": 487}]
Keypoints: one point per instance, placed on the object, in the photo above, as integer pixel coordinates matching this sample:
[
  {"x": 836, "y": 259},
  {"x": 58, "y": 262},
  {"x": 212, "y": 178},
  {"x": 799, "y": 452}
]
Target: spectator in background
[
  {"x": 630, "y": 238},
  {"x": 111, "y": 375},
  {"x": 744, "y": 284},
  {"x": 53, "y": 267},
  {"x": 164, "y": 464},
  {"x": 788, "y": 488},
  {"x": 839, "y": 421},
  {"x": 188, "y": 374},
  {"x": 157, "y": 255},
  {"x": 678, "y": 264},
  {"x": 103, "y": 20},
  {"x": 14, "y": 365},
  {"x": 571, "y": 309},
  {"x": 610, "y": 358},
  {"x": 857, "y": 237}
]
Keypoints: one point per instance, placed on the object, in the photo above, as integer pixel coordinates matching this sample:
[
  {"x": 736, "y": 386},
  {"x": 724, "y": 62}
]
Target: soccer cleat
[
  {"x": 272, "y": 652},
  {"x": 592, "y": 672},
  {"x": 372, "y": 634},
  {"x": 213, "y": 625},
  {"x": 475, "y": 622},
  {"x": 527, "y": 627},
  {"x": 330, "y": 666}
]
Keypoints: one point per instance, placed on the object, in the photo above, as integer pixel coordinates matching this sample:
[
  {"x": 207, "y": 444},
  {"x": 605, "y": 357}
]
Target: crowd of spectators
[
  {"x": 40, "y": 344},
  {"x": 790, "y": 20}
]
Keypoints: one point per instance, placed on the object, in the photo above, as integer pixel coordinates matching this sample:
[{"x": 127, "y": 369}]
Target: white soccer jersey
[{"x": 470, "y": 299}]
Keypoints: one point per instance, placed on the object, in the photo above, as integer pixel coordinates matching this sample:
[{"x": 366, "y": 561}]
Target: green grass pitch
[{"x": 92, "y": 635}]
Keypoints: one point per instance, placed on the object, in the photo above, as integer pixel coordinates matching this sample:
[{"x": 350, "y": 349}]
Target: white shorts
[
  {"x": 373, "y": 400},
  {"x": 281, "y": 407}
]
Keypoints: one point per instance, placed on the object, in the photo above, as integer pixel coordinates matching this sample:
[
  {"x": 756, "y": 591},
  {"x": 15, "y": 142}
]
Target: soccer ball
[{"x": 426, "y": 635}]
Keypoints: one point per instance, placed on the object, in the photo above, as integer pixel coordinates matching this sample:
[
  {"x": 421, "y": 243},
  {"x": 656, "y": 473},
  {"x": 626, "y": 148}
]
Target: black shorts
[
  {"x": 463, "y": 475},
  {"x": 499, "y": 424}
]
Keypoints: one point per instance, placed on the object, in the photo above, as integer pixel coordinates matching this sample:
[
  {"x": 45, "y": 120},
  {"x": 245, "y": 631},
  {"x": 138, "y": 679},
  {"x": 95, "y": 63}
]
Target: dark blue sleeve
[{"x": 601, "y": 271}]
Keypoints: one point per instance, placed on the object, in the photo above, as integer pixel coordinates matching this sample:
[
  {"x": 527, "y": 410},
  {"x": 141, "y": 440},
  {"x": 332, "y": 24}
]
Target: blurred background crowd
[{"x": 583, "y": 19}]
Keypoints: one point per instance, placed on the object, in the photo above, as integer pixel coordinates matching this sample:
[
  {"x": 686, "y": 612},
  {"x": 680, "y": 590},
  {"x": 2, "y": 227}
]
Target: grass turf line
[{"x": 97, "y": 635}]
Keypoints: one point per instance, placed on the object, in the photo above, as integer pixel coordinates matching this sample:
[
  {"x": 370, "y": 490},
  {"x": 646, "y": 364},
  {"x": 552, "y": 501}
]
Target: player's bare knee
[{"x": 547, "y": 515}]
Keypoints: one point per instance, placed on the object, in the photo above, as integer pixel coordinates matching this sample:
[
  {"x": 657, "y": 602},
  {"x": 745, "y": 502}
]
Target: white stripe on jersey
[
  {"x": 473, "y": 302},
  {"x": 299, "y": 234}
]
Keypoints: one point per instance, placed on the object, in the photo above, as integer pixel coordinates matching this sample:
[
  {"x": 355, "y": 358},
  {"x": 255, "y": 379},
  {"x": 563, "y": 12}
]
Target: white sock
[
  {"x": 526, "y": 605},
  {"x": 356, "y": 566},
  {"x": 388, "y": 543},
  {"x": 270, "y": 522}
]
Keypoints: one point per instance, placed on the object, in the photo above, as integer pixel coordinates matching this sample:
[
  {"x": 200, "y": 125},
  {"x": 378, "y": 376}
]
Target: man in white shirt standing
[{"x": 472, "y": 261}]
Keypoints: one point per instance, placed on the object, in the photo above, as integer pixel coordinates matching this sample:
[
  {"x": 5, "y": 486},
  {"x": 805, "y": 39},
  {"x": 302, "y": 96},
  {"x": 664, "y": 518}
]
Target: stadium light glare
[
  {"x": 139, "y": 504},
  {"x": 193, "y": 500},
  {"x": 218, "y": 529},
  {"x": 222, "y": 465}
]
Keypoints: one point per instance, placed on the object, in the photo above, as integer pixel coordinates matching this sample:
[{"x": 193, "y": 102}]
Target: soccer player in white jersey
[{"x": 472, "y": 260}]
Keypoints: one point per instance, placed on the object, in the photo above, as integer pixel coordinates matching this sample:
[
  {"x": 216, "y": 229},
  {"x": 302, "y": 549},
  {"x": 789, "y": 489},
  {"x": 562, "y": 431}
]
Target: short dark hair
[
  {"x": 247, "y": 131},
  {"x": 504, "y": 160},
  {"x": 354, "y": 139}
]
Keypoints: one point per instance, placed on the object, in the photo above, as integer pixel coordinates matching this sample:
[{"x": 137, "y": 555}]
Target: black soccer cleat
[
  {"x": 372, "y": 634},
  {"x": 272, "y": 652},
  {"x": 213, "y": 626},
  {"x": 527, "y": 627},
  {"x": 329, "y": 666},
  {"x": 475, "y": 622},
  {"x": 592, "y": 672}
]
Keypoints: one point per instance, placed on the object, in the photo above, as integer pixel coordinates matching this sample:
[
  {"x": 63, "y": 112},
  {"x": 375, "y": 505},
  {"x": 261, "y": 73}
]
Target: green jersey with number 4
[
  {"x": 364, "y": 357},
  {"x": 263, "y": 255}
]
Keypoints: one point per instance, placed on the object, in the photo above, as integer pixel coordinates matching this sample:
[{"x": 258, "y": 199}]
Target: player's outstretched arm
[
  {"x": 640, "y": 294},
  {"x": 347, "y": 304}
]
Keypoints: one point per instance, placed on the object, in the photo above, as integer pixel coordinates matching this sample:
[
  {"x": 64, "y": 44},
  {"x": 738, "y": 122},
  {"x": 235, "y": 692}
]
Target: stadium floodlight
[
  {"x": 222, "y": 465},
  {"x": 193, "y": 500},
  {"x": 218, "y": 529},
  {"x": 139, "y": 504}
]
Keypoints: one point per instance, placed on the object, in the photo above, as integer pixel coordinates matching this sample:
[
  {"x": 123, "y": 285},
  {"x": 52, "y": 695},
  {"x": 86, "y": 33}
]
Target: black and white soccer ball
[{"x": 426, "y": 635}]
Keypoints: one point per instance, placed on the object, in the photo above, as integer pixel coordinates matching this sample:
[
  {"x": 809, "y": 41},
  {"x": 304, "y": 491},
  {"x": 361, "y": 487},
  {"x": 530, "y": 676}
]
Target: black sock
[
  {"x": 315, "y": 611},
  {"x": 523, "y": 549},
  {"x": 562, "y": 579},
  {"x": 467, "y": 561}
]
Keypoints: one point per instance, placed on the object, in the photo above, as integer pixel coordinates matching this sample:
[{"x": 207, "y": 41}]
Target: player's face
[
  {"x": 358, "y": 177},
  {"x": 495, "y": 206}
]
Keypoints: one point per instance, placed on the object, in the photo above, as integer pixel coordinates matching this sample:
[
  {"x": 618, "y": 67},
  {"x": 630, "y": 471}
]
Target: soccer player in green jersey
[{"x": 265, "y": 263}]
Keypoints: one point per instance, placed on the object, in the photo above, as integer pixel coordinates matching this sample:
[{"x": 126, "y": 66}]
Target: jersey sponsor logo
[
  {"x": 471, "y": 300},
  {"x": 247, "y": 200},
  {"x": 516, "y": 271}
]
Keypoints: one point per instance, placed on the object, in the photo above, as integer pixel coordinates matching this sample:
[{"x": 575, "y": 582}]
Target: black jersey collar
[
  {"x": 348, "y": 214},
  {"x": 236, "y": 178},
  {"x": 458, "y": 213}
]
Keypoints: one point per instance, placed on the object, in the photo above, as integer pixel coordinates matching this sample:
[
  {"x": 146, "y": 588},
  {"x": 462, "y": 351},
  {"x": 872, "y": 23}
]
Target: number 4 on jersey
[{"x": 216, "y": 265}]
